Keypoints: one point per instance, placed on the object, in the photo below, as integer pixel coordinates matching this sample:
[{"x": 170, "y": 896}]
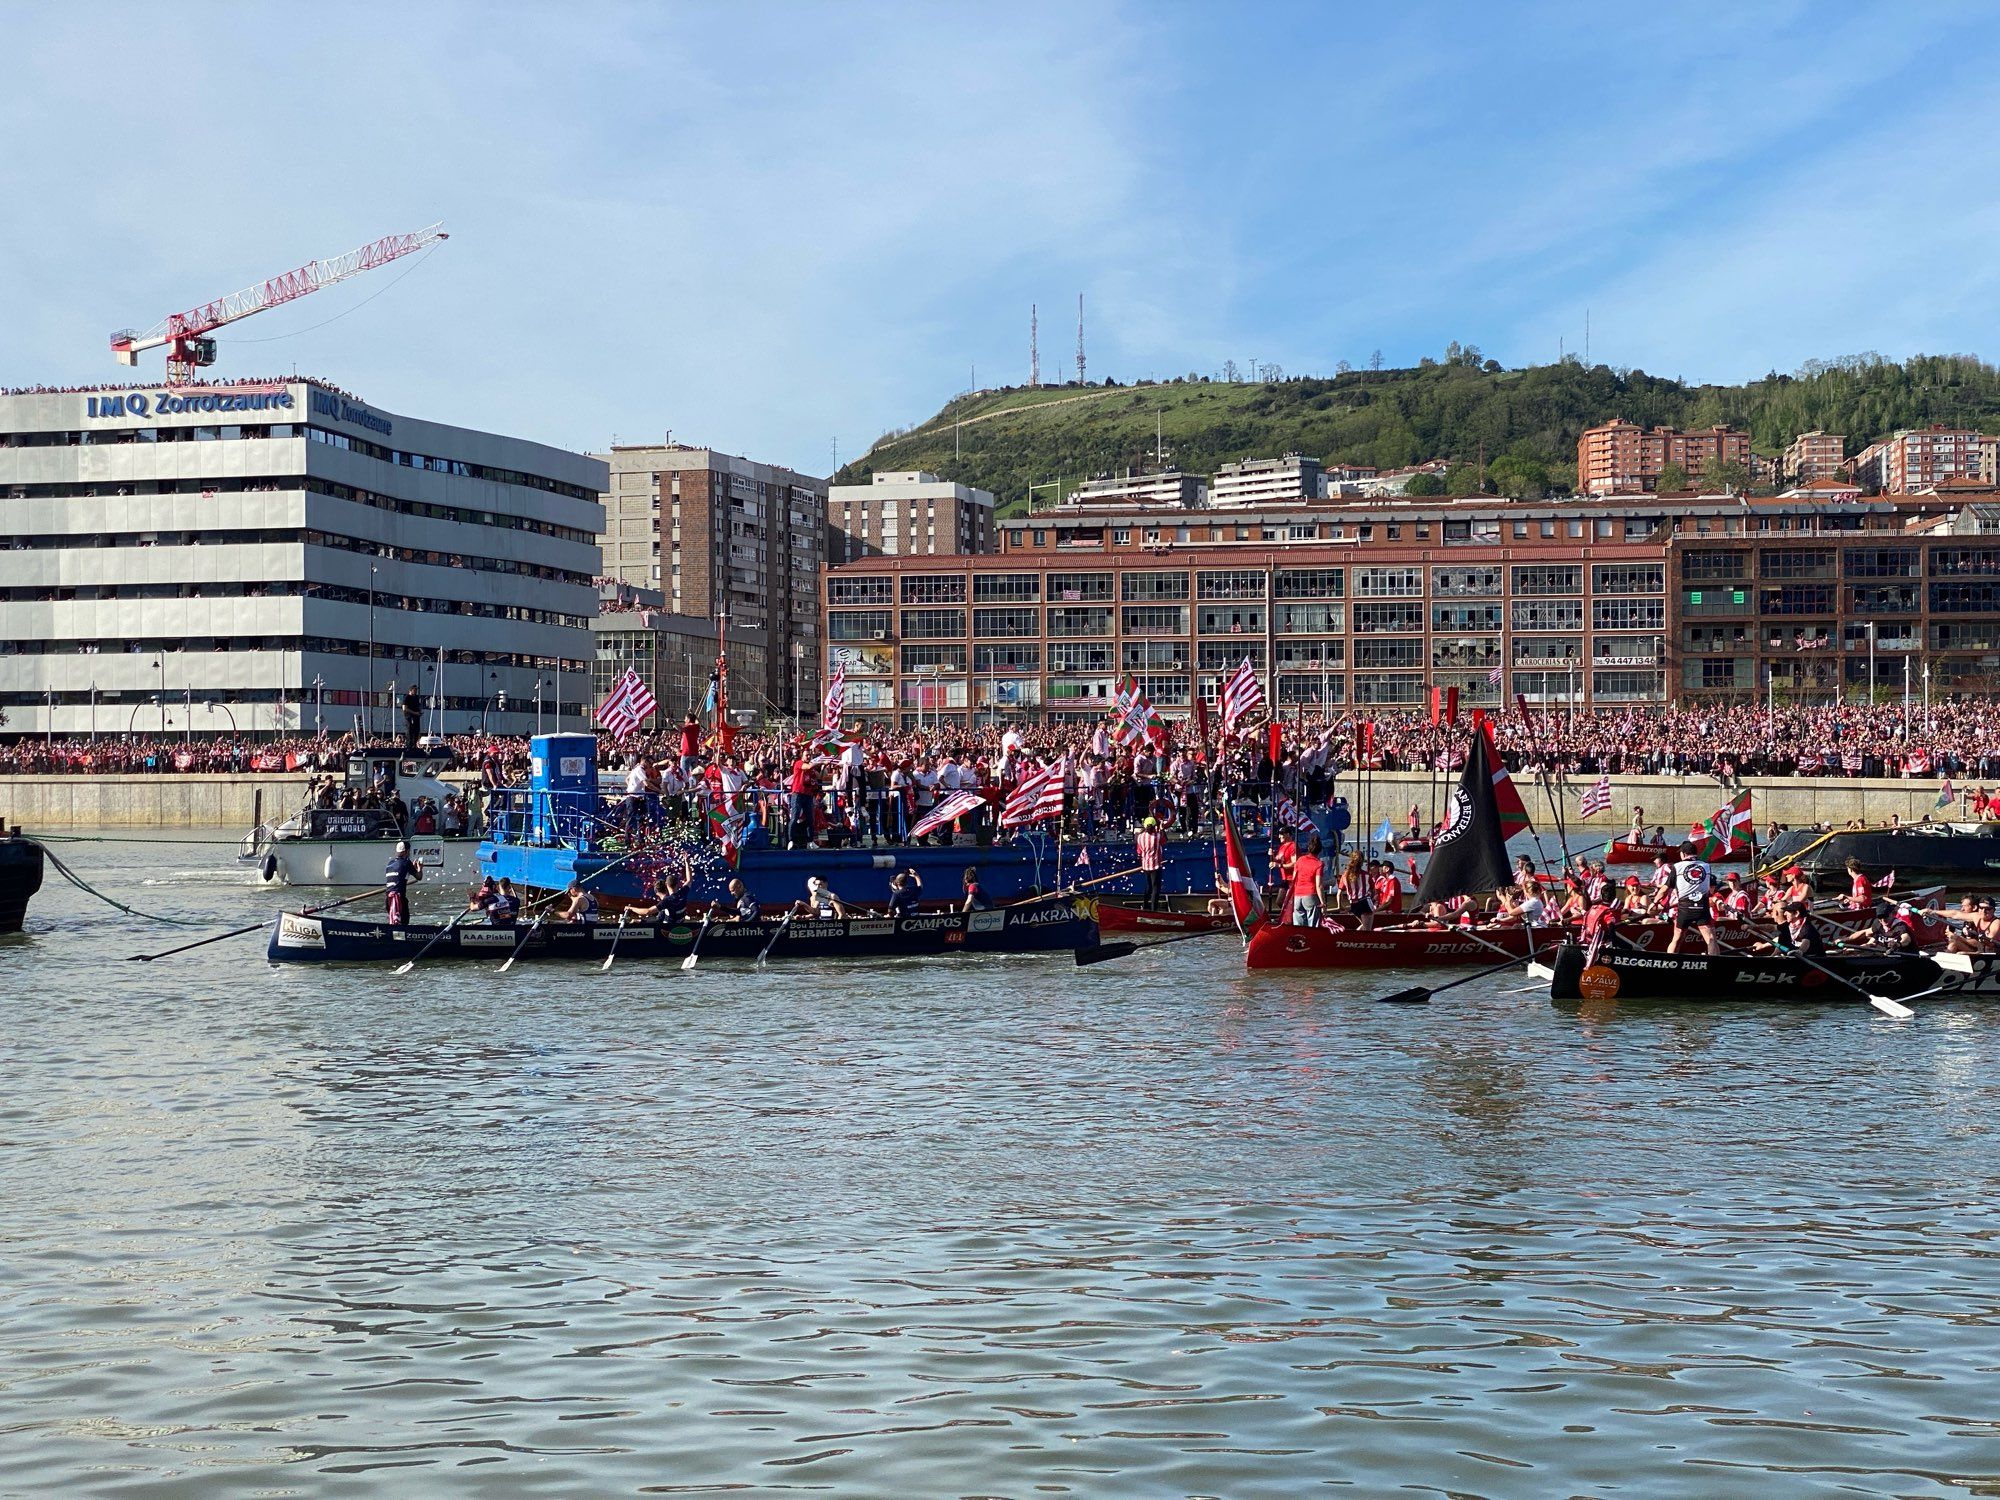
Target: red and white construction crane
[{"x": 184, "y": 334}]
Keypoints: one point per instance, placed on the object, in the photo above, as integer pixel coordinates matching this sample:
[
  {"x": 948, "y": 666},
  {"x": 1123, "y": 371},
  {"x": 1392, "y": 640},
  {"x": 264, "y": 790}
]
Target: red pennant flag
[
  {"x": 1244, "y": 904},
  {"x": 1451, "y": 707},
  {"x": 1521, "y": 702},
  {"x": 1277, "y": 742},
  {"x": 1200, "y": 714},
  {"x": 1367, "y": 727},
  {"x": 1437, "y": 705}
]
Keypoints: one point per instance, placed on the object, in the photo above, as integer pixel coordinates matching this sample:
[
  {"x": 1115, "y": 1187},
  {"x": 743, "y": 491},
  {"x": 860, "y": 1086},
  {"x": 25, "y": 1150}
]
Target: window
[
  {"x": 1627, "y": 687},
  {"x": 858, "y": 624},
  {"x": 1553, "y": 614},
  {"x": 1025, "y": 587},
  {"x": 1465, "y": 617},
  {"x": 1390, "y": 688},
  {"x": 1007, "y": 658},
  {"x": 1885, "y": 599},
  {"x": 860, "y": 590},
  {"x": 1964, "y": 598},
  {"x": 1946, "y": 561},
  {"x": 1311, "y": 619},
  {"x": 1071, "y": 588},
  {"x": 1464, "y": 651},
  {"x": 934, "y": 588},
  {"x": 1545, "y": 579},
  {"x": 1389, "y": 619},
  {"x": 932, "y": 624},
  {"x": 1796, "y": 599},
  {"x": 1712, "y": 567},
  {"x": 949, "y": 658},
  {"x": 1388, "y": 583},
  {"x": 1882, "y": 562},
  {"x": 1465, "y": 582},
  {"x": 1230, "y": 583},
  {"x": 1964, "y": 636},
  {"x": 1079, "y": 656},
  {"x": 1311, "y": 653},
  {"x": 1628, "y": 614},
  {"x": 1311, "y": 583},
  {"x": 1153, "y": 656},
  {"x": 1389, "y": 653},
  {"x": 1155, "y": 619},
  {"x": 1144, "y": 586},
  {"x": 1796, "y": 563},
  {"x": 1625, "y": 650},
  {"x": 1226, "y": 656},
  {"x": 1075, "y": 620},
  {"x": 1628, "y": 578},
  {"x": 1323, "y": 687},
  {"x": 1006, "y": 622},
  {"x": 1223, "y": 619}
]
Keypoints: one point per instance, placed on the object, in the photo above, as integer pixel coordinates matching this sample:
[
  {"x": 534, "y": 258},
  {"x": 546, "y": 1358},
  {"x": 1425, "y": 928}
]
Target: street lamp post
[
  {"x": 161, "y": 663},
  {"x": 371, "y": 651},
  {"x": 93, "y": 713},
  {"x": 538, "y": 705},
  {"x": 319, "y": 706},
  {"x": 798, "y": 684},
  {"x": 52, "y": 718},
  {"x": 224, "y": 708}
]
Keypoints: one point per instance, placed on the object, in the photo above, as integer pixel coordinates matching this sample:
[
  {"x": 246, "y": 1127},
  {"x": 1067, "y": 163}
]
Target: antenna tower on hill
[
  {"x": 1034, "y": 347},
  {"x": 1079, "y": 338}
]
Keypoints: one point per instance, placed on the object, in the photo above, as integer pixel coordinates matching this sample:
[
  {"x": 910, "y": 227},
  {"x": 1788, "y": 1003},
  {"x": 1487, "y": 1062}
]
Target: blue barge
[{"x": 560, "y": 828}]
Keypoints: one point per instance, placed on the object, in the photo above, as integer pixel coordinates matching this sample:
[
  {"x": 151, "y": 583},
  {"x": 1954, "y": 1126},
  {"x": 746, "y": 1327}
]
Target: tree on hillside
[
  {"x": 1229, "y": 371},
  {"x": 1424, "y": 484},
  {"x": 1461, "y": 479},
  {"x": 1375, "y": 360},
  {"x": 1717, "y": 476},
  {"x": 1673, "y": 479}
]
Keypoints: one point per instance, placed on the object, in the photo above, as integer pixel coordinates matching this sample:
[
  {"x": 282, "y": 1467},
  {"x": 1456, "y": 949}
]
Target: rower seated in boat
[
  {"x": 820, "y": 901},
  {"x": 1795, "y": 933},
  {"x": 976, "y": 898},
  {"x": 667, "y": 903},
  {"x": 499, "y": 902},
  {"x": 903, "y": 894},
  {"x": 580, "y": 904}
]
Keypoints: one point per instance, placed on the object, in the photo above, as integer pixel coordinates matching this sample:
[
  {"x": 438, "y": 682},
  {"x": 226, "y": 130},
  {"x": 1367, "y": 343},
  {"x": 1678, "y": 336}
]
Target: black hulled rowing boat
[
  {"x": 1614, "y": 973},
  {"x": 1050, "y": 926}
]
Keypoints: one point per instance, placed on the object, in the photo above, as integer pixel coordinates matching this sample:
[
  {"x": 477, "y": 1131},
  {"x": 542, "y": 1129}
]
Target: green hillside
[{"x": 1526, "y": 421}]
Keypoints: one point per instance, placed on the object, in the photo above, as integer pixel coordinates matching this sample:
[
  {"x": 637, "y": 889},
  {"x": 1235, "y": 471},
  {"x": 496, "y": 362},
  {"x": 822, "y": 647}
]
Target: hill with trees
[{"x": 1523, "y": 423}]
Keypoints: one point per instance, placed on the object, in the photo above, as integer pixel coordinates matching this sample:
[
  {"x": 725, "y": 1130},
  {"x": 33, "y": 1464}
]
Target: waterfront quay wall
[{"x": 230, "y": 801}]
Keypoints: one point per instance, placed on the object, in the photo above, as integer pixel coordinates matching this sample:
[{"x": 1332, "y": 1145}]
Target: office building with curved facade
[{"x": 281, "y": 557}]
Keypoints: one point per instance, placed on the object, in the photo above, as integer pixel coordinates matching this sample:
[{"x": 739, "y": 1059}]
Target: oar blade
[
  {"x": 1890, "y": 1007},
  {"x": 1103, "y": 953},
  {"x": 1540, "y": 971},
  {"x": 405, "y": 967},
  {"x": 1417, "y": 995}
]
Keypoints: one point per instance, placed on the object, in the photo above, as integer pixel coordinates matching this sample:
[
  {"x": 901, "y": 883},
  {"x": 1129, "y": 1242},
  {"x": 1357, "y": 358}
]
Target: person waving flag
[
  {"x": 1596, "y": 799},
  {"x": 1242, "y": 696},
  {"x": 626, "y": 705}
]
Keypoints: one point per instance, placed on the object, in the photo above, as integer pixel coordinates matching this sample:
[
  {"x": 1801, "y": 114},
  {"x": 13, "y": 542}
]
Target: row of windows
[
  {"x": 1856, "y": 562},
  {"x": 1407, "y": 618},
  {"x": 385, "y": 653}
]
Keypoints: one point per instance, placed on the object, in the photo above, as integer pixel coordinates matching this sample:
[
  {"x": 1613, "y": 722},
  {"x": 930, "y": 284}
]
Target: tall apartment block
[
  {"x": 905, "y": 513},
  {"x": 1912, "y": 461},
  {"x": 1814, "y": 455},
  {"x": 1623, "y": 458},
  {"x": 715, "y": 533}
]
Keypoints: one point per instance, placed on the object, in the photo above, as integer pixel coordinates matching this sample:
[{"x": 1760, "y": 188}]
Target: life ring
[{"x": 270, "y": 868}]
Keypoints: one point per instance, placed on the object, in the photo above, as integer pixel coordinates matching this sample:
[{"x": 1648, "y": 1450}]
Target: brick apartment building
[
  {"x": 716, "y": 533},
  {"x": 1719, "y": 599},
  {"x": 1813, "y": 455},
  {"x": 1623, "y": 458},
  {"x": 1912, "y": 461},
  {"x": 906, "y": 512}
]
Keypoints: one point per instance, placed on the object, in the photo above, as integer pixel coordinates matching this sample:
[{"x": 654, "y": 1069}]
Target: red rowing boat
[{"x": 1115, "y": 918}]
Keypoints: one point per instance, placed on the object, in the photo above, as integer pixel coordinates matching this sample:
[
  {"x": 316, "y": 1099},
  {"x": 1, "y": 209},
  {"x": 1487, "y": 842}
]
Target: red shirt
[
  {"x": 1305, "y": 875},
  {"x": 1863, "y": 895},
  {"x": 1152, "y": 849},
  {"x": 690, "y": 739},
  {"x": 1388, "y": 893}
]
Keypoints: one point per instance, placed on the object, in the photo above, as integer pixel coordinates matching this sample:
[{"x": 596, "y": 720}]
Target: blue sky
[{"x": 771, "y": 227}]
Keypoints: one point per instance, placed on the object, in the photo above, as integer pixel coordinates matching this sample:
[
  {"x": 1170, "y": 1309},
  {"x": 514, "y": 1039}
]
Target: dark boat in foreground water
[
  {"x": 20, "y": 877},
  {"x": 1050, "y": 926},
  {"x": 1962, "y": 853},
  {"x": 1730, "y": 978}
]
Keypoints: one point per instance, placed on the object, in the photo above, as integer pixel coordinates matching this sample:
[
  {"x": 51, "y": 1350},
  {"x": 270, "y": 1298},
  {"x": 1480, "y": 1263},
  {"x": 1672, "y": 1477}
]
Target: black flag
[{"x": 1470, "y": 855}]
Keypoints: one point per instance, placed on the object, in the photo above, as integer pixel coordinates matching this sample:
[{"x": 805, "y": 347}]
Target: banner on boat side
[{"x": 300, "y": 932}]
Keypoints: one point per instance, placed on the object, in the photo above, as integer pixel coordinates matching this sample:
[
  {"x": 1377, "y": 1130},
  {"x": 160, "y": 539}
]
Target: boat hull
[
  {"x": 1114, "y": 917},
  {"x": 359, "y": 862},
  {"x": 21, "y": 863},
  {"x": 1958, "y": 853},
  {"x": 1732, "y": 978},
  {"x": 1058, "y": 925}
]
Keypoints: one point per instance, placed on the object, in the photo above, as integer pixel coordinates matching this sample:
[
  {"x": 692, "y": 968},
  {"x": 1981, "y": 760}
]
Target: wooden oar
[
  {"x": 146, "y": 958},
  {"x": 764, "y": 956},
  {"x": 436, "y": 937},
  {"x": 1421, "y": 994},
  {"x": 1103, "y": 953},
  {"x": 605, "y": 968},
  {"x": 532, "y": 927},
  {"x": 694, "y": 948}
]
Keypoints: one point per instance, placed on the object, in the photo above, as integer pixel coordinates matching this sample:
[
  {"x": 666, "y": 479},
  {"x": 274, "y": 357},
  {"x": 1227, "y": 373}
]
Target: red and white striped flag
[
  {"x": 628, "y": 702},
  {"x": 1596, "y": 799},
  {"x": 1242, "y": 696},
  {"x": 1494, "y": 676},
  {"x": 836, "y": 701},
  {"x": 948, "y": 810},
  {"x": 1035, "y": 798}
]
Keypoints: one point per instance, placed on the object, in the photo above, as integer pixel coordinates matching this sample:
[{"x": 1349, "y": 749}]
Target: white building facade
[
  {"x": 281, "y": 558},
  {"x": 906, "y": 511}
]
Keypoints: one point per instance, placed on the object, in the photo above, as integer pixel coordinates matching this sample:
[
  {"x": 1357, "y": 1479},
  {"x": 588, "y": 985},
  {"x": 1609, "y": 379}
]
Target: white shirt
[
  {"x": 635, "y": 781},
  {"x": 1692, "y": 880}
]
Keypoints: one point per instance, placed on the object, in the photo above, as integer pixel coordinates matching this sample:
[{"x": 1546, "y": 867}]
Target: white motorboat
[{"x": 350, "y": 845}]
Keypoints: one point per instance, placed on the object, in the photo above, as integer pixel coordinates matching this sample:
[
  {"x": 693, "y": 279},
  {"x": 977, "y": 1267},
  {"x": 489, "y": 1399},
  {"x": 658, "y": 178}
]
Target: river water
[{"x": 999, "y": 1227}]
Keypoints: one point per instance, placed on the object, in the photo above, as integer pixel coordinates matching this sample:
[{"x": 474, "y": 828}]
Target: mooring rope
[{"x": 90, "y": 890}]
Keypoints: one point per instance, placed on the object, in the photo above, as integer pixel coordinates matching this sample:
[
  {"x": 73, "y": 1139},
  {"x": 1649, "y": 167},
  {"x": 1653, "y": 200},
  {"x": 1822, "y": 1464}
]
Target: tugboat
[
  {"x": 560, "y": 828},
  {"x": 349, "y": 845},
  {"x": 20, "y": 876}
]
